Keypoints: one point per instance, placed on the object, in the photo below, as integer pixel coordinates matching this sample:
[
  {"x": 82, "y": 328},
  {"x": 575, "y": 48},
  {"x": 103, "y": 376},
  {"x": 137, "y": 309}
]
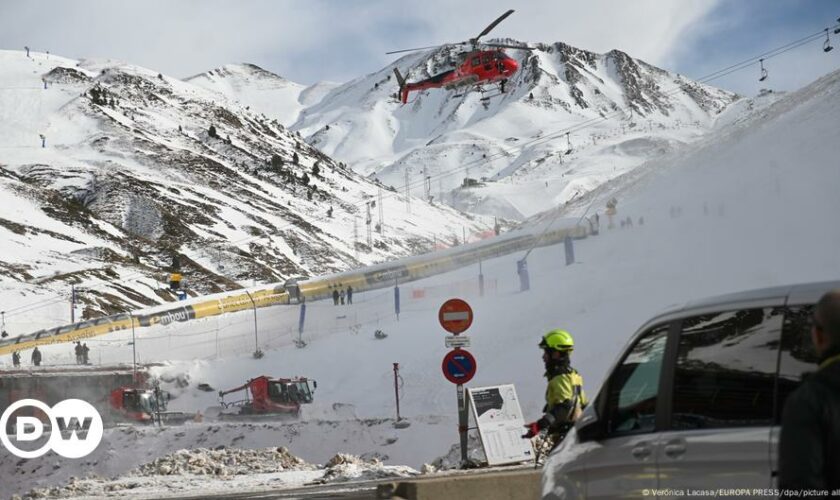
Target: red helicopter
[{"x": 477, "y": 67}]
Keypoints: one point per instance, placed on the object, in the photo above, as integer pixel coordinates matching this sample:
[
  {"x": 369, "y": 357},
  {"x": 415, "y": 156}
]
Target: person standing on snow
[
  {"x": 564, "y": 396},
  {"x": 341, "y": 296},
  {"x": 36, "y": 357},
  {"x": 85, "y": 351},
  {"x": 335, "y": 297},
  {"x": 16, "y": 359},
  {"x": 349, "y": 294}
]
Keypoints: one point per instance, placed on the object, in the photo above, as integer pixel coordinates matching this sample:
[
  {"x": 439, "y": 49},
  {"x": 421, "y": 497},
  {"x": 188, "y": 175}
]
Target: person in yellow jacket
[{"x": 564, "y": 396}]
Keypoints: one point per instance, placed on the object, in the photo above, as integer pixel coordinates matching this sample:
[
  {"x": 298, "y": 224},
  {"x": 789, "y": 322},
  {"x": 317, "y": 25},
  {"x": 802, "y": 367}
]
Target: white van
[{"x": 694, "y": 403}]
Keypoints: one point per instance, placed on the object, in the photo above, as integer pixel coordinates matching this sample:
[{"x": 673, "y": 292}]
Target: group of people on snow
[
  {"x": 339, "y": 296},
  {"x": 36, "y": 358},
  {"x": 81, "y": 351}
]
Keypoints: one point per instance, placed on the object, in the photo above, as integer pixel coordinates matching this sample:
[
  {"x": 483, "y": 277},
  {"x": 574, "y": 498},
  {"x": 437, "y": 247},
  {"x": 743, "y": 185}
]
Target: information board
[{"x": 500, "y": 424}]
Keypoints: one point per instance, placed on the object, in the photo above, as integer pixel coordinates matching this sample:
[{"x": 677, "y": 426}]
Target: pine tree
[
  {"x": 304, "y": 179},
  {"x": 212, "y": 131},
  {"x": 316, "y": 170},
  {"x": 295, "y": 158}
]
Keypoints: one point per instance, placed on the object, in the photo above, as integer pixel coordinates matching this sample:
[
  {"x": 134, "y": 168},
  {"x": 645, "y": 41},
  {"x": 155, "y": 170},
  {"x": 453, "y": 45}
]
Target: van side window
[
  {"x": 634, "y": 386},
  {"x": 725, "y": 371},
  {"x": 797, "y": 358}
]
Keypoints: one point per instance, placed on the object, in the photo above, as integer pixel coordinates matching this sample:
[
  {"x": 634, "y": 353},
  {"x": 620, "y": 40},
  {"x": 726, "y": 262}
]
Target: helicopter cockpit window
[
  {"x": 476, "y": 61},
  {"x": 487, "y": 58}
]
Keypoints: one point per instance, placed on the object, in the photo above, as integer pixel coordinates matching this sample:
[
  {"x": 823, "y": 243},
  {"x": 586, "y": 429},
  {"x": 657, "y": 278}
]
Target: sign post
[{"x": 458, "y": 365}]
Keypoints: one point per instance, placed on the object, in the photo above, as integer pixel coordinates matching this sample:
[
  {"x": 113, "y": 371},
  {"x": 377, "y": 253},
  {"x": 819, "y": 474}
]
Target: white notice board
[{"x": 500, "y": 424}]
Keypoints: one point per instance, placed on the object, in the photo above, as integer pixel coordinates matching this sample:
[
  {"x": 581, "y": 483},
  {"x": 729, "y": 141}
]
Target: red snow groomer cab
[
  {"x": 268, "y": 396},
  {"x": 134, "y": 404}
]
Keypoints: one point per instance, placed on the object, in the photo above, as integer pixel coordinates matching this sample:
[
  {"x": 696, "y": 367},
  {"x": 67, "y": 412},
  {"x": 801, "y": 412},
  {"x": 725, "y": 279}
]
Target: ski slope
[
  {"x": 753, "y": 205},
  {"x": 120, "y": 188}
]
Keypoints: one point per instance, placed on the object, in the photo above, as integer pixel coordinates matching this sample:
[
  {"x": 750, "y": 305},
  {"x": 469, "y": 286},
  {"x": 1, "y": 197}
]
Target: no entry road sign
[
  {"x": 455, "y": 316},
  {"x": 458, "y": 366}
]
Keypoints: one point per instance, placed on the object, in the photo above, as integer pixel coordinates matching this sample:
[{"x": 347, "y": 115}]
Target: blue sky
[
  {"x": 313, "y": 40},
  {"x": 737, "y": 30}
]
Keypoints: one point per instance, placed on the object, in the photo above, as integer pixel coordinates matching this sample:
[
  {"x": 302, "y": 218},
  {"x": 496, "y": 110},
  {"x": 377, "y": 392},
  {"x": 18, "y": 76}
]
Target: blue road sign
[{"x": 458, "y": 366}]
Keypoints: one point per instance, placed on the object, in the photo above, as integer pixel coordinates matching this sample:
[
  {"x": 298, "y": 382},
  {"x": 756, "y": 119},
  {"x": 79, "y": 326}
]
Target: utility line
[{"x": 554, "y": 135}]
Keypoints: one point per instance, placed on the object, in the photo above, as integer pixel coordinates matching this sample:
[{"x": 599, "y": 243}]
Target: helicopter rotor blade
[
  {"x": 493, "y": 24},
  {"x": 521, "y": 47},
  {"x": 418, "y": 48}
]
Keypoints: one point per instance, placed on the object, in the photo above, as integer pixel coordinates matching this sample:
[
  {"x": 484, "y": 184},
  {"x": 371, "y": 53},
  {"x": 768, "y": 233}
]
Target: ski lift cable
[
  {"x": 766, "y": 55},
  {"x": 585, "y": 124},
  {"x": 705, "y": 79},
  {"x": 717, "y": 74}
]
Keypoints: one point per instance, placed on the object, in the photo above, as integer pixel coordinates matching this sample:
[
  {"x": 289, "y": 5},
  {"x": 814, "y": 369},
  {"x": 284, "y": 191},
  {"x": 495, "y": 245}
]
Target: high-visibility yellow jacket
[{"x": 564, "y": 398}]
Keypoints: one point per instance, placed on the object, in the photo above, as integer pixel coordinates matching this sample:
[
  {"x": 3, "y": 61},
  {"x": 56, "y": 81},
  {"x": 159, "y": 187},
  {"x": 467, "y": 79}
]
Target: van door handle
[
  {"x": 641, "y": 451},
  {"x": 675, "y": 448}
]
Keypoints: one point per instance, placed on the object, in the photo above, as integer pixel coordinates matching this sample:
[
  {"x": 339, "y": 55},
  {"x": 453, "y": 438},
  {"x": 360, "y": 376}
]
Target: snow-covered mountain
[
  {"x": 755, "y": 206},
  {"x": 257, "y": 88},
  {"x": 133, "y": 167},
  {"x": 620, "y": 112}
]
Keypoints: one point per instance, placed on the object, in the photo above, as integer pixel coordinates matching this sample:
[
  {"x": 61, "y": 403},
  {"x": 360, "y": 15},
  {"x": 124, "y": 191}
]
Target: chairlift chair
[
  {"x": 827, "y": 43},
  {"x": 837, "y": 29},
  {"x": 763, "y": 71}
]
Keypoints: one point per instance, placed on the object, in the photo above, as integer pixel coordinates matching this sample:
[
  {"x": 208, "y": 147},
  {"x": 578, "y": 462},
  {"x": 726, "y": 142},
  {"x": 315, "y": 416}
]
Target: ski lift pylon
[
  {"x": 827, "y": 43},
  {"x": 763, "y": 71}
]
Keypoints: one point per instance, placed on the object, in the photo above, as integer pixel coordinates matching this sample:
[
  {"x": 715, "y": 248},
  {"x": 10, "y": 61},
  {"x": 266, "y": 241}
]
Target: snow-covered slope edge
[{"x": 138, "y": 168}]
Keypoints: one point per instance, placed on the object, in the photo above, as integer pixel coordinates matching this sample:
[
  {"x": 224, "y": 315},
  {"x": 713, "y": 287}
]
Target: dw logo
[{"x": 75, "y": 428}]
